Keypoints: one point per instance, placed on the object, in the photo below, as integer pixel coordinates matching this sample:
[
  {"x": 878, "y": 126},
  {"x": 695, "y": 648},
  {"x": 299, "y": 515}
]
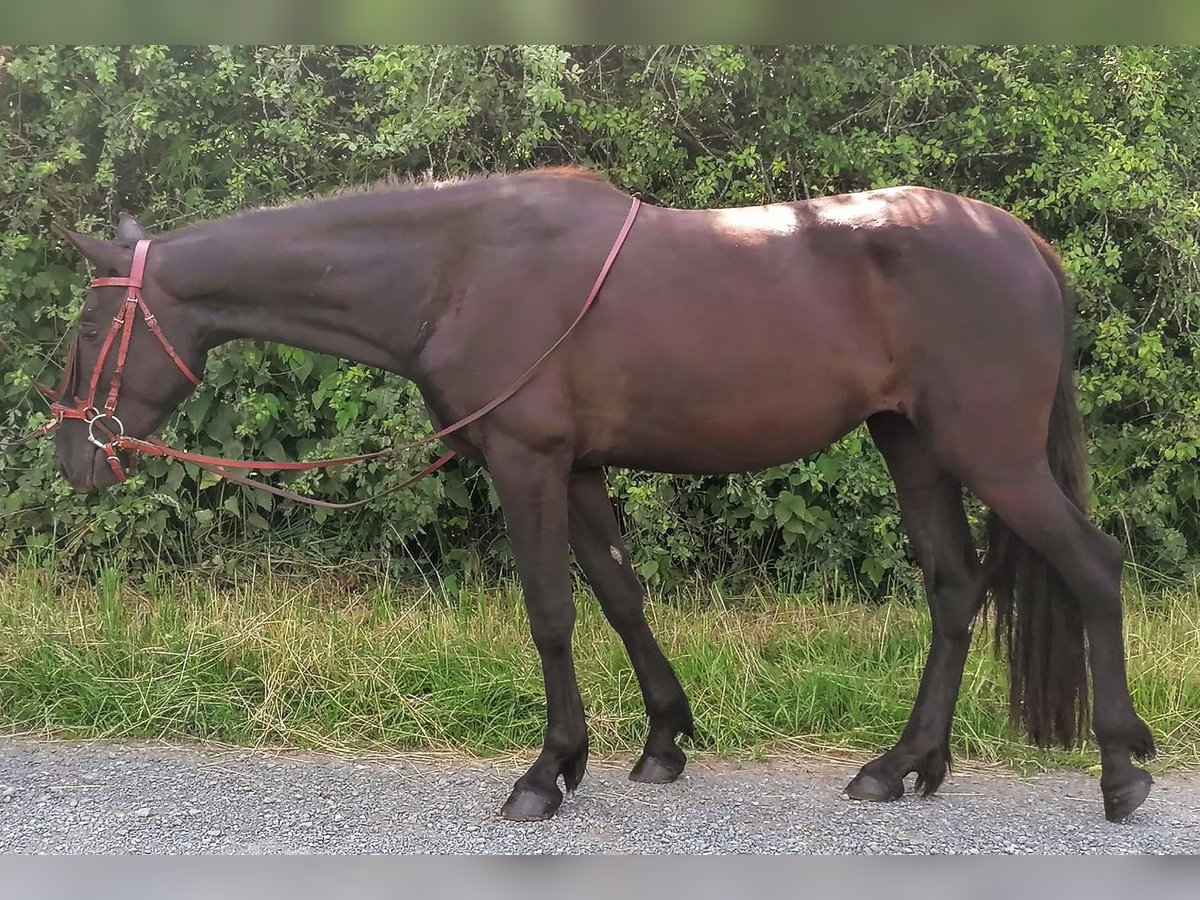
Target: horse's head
[{"x": 135, "y": 349}]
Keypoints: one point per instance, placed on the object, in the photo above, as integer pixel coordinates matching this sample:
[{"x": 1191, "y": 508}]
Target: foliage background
[{"x": 1096, "y": 147}]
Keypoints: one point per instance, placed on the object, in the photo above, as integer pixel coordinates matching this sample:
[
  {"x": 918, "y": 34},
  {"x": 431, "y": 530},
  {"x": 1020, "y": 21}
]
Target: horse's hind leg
[
  {"x": 1030, "y": 502},
  {"x": 1054, "y": 575},
  {"x": 600, "y": 552},
  {"x": 931, "y": 508}
]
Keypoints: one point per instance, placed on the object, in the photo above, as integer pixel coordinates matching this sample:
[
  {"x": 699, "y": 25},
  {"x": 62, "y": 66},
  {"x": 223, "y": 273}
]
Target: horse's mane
[
  {"x": 410, "y": 184},
  {"x": 567, "y": 171},
  {"x": 395, "y": 183}
]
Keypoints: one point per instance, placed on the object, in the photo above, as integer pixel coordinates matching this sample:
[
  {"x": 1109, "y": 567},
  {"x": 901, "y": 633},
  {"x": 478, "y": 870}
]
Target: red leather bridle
[
  {"x": 119, "y": 333},
  {"x": 110, "y": 439}
]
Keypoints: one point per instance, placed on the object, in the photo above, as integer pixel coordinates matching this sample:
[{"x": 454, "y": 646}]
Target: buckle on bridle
[{"x": 97, "y": 416}]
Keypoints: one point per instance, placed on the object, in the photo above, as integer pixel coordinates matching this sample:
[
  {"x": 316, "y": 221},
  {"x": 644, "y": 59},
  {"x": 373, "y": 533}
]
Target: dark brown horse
[{"x": 724, "y": 341}]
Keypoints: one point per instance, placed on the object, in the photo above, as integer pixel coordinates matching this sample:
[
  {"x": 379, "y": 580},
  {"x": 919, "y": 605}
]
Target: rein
[{"x": 112, "y": 437}]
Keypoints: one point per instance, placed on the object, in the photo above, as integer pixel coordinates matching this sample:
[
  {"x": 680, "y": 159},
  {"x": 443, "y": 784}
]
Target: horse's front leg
[
  {"x": 532, "y": 487},
  {"x": 600, "y": 552}
]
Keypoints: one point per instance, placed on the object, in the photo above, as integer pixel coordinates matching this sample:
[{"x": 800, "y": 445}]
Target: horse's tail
[{"x": 1039, "y": 628}]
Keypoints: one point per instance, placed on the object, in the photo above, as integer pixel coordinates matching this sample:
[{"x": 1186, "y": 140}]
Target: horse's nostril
[{"x": 62, "y": 469}]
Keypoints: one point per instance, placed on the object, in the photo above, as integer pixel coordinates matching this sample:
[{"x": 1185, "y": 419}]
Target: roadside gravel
[{"x": 102, "y": 797}]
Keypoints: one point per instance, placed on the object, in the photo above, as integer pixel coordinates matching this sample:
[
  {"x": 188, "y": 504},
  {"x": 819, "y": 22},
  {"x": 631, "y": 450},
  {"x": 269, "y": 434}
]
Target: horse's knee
[
  {"x": 626, "y": 615},
  {"x": 551, "y": 626}
]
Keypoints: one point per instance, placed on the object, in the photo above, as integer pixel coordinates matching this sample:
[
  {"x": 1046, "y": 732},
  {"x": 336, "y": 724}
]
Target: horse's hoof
[
  {"x": 657, "y": 770},
  {"x": 1121, "y": 801},
  {"x": 868, "y": 787},
  {"x": 526, "y": 805}
]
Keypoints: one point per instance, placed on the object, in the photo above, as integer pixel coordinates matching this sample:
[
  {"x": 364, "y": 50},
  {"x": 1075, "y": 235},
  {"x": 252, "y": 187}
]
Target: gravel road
[{"x": 101, "y": 797}]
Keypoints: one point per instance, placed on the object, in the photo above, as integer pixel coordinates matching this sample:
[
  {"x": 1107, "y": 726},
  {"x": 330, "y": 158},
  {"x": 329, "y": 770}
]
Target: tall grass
[{"x": 264, "y": 658}]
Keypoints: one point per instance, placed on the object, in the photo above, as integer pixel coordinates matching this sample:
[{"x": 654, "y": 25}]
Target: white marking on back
[
  {"x": 757, "y": 223},
  {"x": 868, "y": 209},
  {"x": 906, "y": 205}
]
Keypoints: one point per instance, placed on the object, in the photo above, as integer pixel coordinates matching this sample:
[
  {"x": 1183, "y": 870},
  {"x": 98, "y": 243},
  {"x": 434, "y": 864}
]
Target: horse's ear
[
  {"x": 101, "y": 254},
  {"x": 129, "y": 230}
]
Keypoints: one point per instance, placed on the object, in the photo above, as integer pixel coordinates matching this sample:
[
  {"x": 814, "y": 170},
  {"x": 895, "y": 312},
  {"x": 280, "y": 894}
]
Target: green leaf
[
  {"x": 456, "y": 491},
  {"x": 648, "y": 569}
]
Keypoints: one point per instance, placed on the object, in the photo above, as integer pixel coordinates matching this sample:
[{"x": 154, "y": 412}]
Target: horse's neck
[{"x": 354, "y": 294}]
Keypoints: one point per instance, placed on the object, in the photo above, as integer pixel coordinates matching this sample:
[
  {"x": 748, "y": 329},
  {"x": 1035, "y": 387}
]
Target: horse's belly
[
  {"x": 723, "y": 384},
  {"x": 725, "y": 436}
]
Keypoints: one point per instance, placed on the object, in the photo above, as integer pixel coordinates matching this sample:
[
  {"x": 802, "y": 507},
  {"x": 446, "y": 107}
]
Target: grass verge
[{"x": 264, "y": 659}]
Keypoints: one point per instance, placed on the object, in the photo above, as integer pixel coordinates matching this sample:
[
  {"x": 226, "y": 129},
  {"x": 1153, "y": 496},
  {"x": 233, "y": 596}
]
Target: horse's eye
[{"x": 88, "y": 332}]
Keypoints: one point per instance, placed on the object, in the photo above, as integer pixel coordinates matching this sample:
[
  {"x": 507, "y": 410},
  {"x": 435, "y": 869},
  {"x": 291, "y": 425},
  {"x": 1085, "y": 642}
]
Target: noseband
[{"x": 104, "y": 420}]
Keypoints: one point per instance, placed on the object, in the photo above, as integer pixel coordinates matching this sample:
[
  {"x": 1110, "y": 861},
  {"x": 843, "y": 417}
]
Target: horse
[{"x": 723, "y": 341}]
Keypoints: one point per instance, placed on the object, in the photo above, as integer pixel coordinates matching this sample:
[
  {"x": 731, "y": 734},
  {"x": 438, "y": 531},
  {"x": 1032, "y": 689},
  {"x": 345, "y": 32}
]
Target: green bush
[{"x": 1096, "y": 147}]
